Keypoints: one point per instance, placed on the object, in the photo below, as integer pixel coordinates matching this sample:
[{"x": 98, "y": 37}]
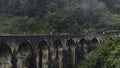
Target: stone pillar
[
  {"x": 45, "y": 59},
  {"x": 19, "y": 63},
  {"x": 22, "y": 62},
  {"x": 6, "y": 65},
  {"x": 52, "y": 61},
  {"x": 60, "y": 57},
  {"x": 56, "y": 58},
  {"x": 3, "y": 64},
  {"x": 73, "y": 55},
  {"x": 9, "y": 65}
]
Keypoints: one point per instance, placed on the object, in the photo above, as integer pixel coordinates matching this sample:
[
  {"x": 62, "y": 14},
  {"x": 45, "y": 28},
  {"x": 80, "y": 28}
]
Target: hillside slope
[{"x": 59, "y": 16}]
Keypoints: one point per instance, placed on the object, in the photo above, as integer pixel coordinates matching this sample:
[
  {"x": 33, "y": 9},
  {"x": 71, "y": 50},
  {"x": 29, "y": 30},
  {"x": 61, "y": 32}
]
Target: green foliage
[
  {"x": 58, "y": 16},
  {"x": 105, "y": 56}
]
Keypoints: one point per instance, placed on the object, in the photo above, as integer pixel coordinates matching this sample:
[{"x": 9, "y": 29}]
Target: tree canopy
[
  {"x": 105, "y": 56},
  {"x": 59, "y": 16}
]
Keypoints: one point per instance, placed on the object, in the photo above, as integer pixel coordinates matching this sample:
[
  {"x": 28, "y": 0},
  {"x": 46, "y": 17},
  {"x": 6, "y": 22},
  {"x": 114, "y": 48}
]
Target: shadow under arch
[
  {"x": 79, "y": 51},
  {"x": 70, "y": 43},
  {"x": 25, "y": 51},
  {"x": 94, "y": 41},
  {"x": 42, "y": 46},
  {"x": 57, "y": 43},
  {"x": 69, "y": 54},
  {"x": 82, "y": 41},
  {"x": 83, "y": 46},
  {"x": 5, "y": 55},
  {"x": 25, "y": 48},
  {"x": 5, "y": 47}
]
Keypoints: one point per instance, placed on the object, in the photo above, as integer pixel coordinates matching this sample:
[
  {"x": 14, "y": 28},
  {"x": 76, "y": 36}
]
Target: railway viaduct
[{"x": 46, "y": 51}]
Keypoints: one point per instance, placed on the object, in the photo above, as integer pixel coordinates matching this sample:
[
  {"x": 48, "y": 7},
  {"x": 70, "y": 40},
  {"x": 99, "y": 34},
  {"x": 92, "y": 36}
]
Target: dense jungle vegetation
[
  {"x": 59, "y": 16},
  {"x": 106, "y": 55}
]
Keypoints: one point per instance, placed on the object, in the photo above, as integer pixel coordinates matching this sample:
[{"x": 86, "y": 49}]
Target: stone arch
[
  {"x": 58, "y": 47},
  {"x": 80, "y": 50},
  {"x": 42, "y": 44},
  {"x": 83, "y": 41},
  {"x": 83, "y": 45},
  {"x": 42, "y": 47},
  {"x": 25, "y": 48},
  {"x": 57, "y": 43},
  {"x": 70, "y": 43},
  {"x": 69, "y": 54},
  {"x": 25, "y": 53},
  {"x": 5, "y": 56},
  {"x": 94, "y": 41}
]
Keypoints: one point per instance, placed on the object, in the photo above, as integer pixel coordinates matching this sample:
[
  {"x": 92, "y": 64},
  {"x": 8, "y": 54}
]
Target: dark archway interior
[
  {"x": 42, "y": 44},
  {"x": 25, "y": 49},
  {"x": 70, "y": 43},
  {"x": 82, "y": 41},
  {"x": 57, "y": 43},
  {"x": 5, "y": 50},
  {"x": 68, "y": 54},
  {"x": 5, "y": 54},
  {"x": 94, "y": 41}
]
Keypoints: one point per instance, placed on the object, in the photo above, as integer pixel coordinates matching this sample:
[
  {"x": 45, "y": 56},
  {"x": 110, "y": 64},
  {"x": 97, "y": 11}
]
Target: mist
[{"x": 87, "y": 6}]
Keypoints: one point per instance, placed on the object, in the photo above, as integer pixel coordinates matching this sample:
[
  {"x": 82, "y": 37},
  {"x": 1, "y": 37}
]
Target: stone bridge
[{"x": 46, "y": 51}]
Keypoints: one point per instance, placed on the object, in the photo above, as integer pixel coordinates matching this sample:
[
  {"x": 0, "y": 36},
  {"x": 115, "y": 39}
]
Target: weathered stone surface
[{"x": 48, "y": 51}]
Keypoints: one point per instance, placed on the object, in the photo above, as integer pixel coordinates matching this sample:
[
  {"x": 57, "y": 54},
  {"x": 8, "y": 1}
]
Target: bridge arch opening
[
  {"x": 94, "y": 41},
  {"x": 80, "y": 50},
  {"x": 25, "y": 53},
  {"x": 70, "y": 43},
  {"x": 57, "y": 43},
  {"x": 83, "y": 46},
  {"x": 69, "y": 54},
  {"x": 5, "y": 56},
  {"x": 58, "y": 47},
  {"x": 83, "y": 41},
  {"x": 42, "y": 44},
  {"x": 43, "y": 57},
  {"x": 25, "y": 49}
]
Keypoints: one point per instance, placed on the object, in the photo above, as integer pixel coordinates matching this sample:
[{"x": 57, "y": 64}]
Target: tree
[
  {"x": 29, "y": 8},
  {"x": 41, "y": 7},
  {"x": 105, "y": 56},
  {"x": 15, "y": 7}
]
